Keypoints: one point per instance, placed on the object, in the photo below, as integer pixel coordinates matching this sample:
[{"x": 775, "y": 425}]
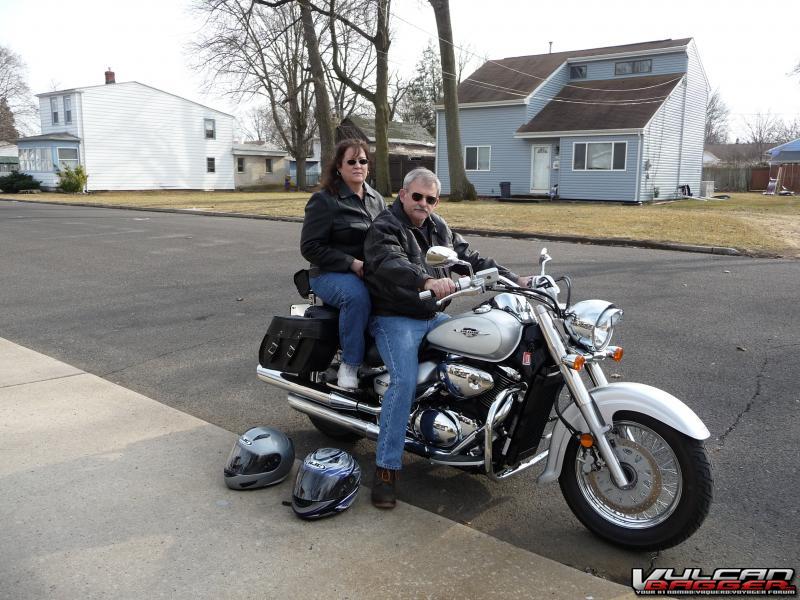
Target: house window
[
  {"x": 632, "y": 67},
  {"x": 240, "y": 165},
  {"x": 211, "y": 165},
  {"x": 67, "y": 109},
  {"x": 67, "y": 157},
  {"x": 477, "y": 158},
  {"x": 577, "y": 72},
  {"x": 599, "y": 156},
  {"x": 211, "y": 129},
  {"x": 35, "y": 159},
  {"x": 54, "y": 109},
  {"x": 268, "y": 164}
]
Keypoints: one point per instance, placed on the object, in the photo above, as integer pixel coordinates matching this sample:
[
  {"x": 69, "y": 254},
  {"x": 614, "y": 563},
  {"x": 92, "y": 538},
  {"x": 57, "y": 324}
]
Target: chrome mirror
[
  {"x": 544, "y": 258},
  {"x": 441, "y": 256}
]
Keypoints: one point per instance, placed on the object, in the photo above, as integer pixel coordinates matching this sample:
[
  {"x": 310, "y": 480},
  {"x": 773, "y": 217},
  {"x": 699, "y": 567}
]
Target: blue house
[{"x": 621, "y": 123}]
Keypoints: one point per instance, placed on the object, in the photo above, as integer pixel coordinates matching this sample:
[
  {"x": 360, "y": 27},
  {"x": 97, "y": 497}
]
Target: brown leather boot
[{"x": 383, "y": 492}]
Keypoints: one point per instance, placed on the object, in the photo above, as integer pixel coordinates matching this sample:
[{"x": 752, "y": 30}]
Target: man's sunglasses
[
  {"x": 416, "y": 197},
  {"x": 353, "y": 161}
]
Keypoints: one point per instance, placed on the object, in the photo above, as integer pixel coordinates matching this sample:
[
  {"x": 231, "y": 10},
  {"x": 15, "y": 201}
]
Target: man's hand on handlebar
[
  {"x": 440, "y": 287},
  {"x": 525, "y": 281}
]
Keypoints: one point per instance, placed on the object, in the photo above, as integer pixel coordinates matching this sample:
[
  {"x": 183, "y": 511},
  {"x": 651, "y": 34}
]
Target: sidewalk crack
[
  {"x": 3, "y": 387},
  {"x": 721, "y": 439}
]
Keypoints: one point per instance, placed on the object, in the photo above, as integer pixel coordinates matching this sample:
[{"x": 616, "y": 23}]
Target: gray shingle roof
[
  {"x": 398, "y": 131},
  {"x": 516, "y": 77},
  {"x": 51, "y": 137},
  {"x": 580, "y": 107}
]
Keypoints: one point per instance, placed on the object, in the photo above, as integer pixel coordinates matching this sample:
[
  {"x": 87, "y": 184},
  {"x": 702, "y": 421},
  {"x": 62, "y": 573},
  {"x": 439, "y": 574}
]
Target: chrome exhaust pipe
[
  {"x": 330, "y": 399},
  {"x": 300, "y": 404}
]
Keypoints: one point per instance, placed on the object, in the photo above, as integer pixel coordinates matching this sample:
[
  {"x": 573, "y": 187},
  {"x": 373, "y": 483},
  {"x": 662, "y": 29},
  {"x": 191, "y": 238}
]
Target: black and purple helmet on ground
[{"x": 327, "y": 483}]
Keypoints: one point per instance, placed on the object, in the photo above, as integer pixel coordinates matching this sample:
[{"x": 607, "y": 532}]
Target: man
[{"x": 395, "y": 273}]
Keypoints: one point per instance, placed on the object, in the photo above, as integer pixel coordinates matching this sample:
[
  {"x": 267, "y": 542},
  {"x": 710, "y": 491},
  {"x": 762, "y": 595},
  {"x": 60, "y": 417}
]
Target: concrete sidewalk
[{"x": 105, "y": 493}]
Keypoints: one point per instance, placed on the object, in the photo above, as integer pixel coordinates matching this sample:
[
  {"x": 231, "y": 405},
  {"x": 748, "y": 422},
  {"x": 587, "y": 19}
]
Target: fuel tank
[{"x": 490, "y": 335}]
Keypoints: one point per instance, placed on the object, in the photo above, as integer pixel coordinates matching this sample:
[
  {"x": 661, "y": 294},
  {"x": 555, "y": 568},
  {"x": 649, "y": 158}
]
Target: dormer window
[
  {"x": 211, "y": 129},
  {"x": 633, "y": 67},
  {"x": 54, "y": 109},
  {"x": 577, "y": 72}
]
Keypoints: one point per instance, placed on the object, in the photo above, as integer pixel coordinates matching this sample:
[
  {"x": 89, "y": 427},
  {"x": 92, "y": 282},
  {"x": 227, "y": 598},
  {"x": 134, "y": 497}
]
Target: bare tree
[
  {"x": 460, "y": 187},
  {"x": 377, "y": 34},
  {"x": 786, "y": 131},
  {"x": 20, "y": 111},
  {"x": 322, "y": 105},
  {"x": 762, "y": 130},
  {"x": 255, "y": 52},
  {"x": 357, "y": 58},
  {"x": 716, "y": 119}
]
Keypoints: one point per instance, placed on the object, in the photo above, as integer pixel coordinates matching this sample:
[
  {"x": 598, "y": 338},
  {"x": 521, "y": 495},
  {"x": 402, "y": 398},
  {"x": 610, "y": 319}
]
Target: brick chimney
[{"x": 110, "y": 76}]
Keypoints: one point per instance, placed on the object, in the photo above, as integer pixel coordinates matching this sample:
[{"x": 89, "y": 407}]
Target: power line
[{"x": 531, "y": 75}]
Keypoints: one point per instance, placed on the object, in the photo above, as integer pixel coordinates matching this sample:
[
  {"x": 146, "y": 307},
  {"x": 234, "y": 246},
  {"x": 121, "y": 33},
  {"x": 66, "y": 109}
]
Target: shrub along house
[
  {"x": 130, "y": 136},
  {"x": 621, "y": 123}
]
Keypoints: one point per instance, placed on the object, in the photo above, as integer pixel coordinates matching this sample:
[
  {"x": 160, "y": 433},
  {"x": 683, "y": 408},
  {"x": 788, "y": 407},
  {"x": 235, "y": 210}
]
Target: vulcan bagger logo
[{"x": 722, "y": 582}]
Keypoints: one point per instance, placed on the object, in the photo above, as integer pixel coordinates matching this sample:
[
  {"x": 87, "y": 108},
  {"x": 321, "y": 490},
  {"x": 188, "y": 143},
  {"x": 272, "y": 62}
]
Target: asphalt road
[{"x": 174, "y": 307}]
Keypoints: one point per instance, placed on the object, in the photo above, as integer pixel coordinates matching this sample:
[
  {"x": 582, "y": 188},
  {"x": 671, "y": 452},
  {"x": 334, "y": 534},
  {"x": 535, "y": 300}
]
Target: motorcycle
[{"x": 513, "y": 383}]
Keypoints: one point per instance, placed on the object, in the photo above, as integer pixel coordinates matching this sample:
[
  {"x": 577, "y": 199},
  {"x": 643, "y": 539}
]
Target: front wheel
[{"x": 670, "y": 488}]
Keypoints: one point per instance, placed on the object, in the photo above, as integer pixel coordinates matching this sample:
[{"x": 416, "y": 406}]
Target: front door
[{"x": 540, "y": 168}]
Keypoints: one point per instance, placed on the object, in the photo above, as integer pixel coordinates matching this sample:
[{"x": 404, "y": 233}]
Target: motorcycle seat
[{"x": 372, "y": 357}]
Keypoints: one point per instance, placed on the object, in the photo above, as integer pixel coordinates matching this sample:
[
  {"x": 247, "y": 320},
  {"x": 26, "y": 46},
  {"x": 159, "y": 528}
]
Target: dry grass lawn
[{"x": 749, "y": 222}]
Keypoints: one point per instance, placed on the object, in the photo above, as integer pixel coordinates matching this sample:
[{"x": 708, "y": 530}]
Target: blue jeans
[
  {"x": 398, "y": 340},
  {"x": 348, "y": 293}
]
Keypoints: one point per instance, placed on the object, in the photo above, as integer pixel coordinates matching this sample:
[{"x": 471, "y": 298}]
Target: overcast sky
[{"x": 748, "y": 49}]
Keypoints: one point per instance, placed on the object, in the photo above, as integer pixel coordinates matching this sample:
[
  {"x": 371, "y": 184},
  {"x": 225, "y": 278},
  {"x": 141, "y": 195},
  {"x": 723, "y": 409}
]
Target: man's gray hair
[{"x": 424, "y": 176}]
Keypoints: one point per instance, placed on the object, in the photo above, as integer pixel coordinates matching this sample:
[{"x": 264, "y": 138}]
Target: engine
[
  {"x": 471, "y": 392},
  {"x": 442, "y": 428}
]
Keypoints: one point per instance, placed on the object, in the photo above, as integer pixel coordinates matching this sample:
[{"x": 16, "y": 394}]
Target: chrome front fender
[{"x": 616, "y": 397}]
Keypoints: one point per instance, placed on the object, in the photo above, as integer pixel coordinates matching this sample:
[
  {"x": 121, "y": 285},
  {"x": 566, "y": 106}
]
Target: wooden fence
[{"x": 737, "y": 179}]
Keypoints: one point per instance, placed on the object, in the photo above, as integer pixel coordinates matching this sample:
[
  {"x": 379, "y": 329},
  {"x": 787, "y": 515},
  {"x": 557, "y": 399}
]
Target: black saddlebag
[{"x": 299, "y": 344}]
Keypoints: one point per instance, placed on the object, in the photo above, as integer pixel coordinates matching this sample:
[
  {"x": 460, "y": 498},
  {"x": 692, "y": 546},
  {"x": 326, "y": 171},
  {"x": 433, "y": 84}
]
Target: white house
[
  {"x": 130, "y": 136},
  {"x": 259, "y": 165}
]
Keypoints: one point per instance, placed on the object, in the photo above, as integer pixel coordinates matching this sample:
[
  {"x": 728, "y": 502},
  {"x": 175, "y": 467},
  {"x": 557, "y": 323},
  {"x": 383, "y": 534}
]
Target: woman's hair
[{"x": 331, "y": 176}]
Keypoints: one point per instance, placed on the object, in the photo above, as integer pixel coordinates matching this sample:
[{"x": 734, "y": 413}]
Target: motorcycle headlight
[{"x": 591, "y": 323}]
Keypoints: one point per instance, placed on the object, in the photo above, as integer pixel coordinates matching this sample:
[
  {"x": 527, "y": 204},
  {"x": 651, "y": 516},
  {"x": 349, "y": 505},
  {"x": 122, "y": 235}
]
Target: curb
[{"x": 575, "y": 239}]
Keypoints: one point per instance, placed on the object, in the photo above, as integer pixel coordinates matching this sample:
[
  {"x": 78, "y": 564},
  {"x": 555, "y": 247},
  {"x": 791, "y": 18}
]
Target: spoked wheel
[
  {"x": 336, "y": 432},
  {"x": 670, "y": 488}
]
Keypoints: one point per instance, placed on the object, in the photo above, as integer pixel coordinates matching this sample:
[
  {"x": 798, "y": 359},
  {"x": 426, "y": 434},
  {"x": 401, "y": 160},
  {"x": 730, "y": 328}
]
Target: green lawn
[{"x": 749, "y": 222}]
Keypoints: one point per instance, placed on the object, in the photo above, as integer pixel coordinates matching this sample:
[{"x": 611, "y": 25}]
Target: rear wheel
[
  {"x": 336, "y": 432},
  {"x": 670, "y": 488}
]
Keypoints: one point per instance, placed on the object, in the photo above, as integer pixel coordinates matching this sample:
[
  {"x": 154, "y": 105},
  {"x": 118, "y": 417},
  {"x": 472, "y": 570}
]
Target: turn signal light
[
  {"x": 574, "y": 361},
  {"x": 615, "y": 352},
  {"x": 587, "y": 441}
]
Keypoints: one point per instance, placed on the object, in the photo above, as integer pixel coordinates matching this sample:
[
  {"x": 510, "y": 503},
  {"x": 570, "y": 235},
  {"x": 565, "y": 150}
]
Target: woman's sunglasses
[
  {"x": 353, "y": 161},
  {"x": 416, "y": 197}
]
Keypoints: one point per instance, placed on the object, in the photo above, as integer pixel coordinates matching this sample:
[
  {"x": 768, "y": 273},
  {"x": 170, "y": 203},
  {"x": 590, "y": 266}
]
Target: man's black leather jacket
[
  {"x": 395, "y": 269},
  {"x": 335, "y": 226}
]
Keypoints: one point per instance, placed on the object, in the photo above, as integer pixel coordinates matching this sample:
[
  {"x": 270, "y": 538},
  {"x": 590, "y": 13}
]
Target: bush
[
  {"x": 16, "y": 182},
  {"x": 72, "y": 181}
]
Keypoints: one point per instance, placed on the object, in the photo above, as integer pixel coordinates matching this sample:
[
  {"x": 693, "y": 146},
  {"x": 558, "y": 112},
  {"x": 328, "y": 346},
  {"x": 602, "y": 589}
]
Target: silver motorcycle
[{"x": 513, "y": 383}]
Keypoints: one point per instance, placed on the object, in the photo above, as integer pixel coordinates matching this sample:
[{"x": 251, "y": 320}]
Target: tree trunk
[
  {"x": 460, "y": 187},
  {"x": 382, "y": 42},
  {"x": 322, "y": 110}
]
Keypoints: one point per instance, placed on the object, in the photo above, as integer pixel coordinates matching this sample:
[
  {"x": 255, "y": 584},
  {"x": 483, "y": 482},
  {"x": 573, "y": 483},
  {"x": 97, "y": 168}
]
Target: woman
[{"x": 335, "y": 225}]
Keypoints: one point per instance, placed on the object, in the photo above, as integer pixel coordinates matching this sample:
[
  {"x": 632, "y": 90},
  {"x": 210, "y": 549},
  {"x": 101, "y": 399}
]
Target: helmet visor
[
  {"x": 243, "y": 461},
  {"x": 315, "y": 485}
]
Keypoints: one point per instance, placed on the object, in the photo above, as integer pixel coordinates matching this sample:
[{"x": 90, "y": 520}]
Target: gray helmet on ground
[
  {"x": 262, "y": 456},
  {"x": 327, "y": 484}
]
